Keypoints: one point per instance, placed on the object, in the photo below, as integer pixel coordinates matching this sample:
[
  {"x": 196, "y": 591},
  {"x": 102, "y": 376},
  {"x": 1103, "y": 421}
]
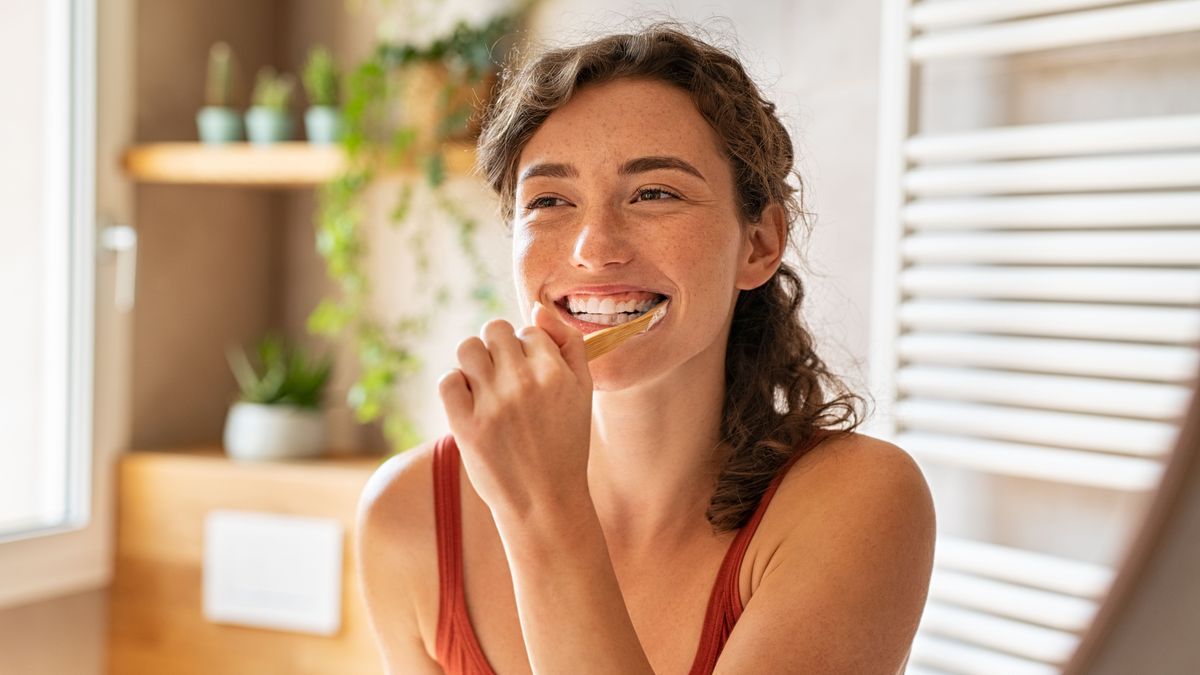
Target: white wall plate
[{"x": 273, "y": 571}]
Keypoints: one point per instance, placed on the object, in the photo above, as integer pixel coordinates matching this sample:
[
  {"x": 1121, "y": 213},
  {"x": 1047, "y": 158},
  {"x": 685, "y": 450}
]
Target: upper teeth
[{"x": 594, "y": 305}]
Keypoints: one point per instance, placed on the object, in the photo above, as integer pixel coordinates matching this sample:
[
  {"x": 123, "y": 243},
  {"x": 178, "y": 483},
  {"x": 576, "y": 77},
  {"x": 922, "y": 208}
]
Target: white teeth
[{"x": 594, "y": 305}]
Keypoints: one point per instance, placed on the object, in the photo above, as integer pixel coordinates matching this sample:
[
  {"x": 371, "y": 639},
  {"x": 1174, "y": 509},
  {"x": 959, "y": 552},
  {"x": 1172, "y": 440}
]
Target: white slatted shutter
[{"x": 1036, "y": 321}]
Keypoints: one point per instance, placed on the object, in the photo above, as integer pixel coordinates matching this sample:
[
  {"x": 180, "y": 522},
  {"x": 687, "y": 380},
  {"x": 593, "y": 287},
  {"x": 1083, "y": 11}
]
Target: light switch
[{"x": 273, "y": 571}]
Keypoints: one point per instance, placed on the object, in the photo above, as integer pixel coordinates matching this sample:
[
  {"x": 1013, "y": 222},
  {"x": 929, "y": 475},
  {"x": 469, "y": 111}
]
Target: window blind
[{"x": 1036, "y": 314}]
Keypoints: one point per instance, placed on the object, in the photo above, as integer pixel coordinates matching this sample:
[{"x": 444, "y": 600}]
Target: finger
[
  {"x": 569, "y": 340},
  {"x": 502, "y": 343},
  {"x": 538, "y": 344},
  {"x": 456, "y": 396},
  {"x": 475, "y": 362}
]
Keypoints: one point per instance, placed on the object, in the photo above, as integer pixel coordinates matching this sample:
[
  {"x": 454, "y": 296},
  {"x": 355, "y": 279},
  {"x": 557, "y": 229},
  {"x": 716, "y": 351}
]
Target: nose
[{"x": 600, "y": 242}]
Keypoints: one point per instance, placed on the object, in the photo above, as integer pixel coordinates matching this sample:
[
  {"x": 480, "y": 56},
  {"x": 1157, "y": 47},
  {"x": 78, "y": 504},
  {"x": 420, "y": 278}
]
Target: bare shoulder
[
  {"x": 853, "y": 469},
  {"x": 396, "y": 547},
  {"x": 850, "y": 538},
  {"x": 398, "y": 497},
  {"x": 855, "y": 483}
]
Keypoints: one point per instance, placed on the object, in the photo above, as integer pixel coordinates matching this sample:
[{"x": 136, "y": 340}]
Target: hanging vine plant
[{"x": 381, "y": 140}]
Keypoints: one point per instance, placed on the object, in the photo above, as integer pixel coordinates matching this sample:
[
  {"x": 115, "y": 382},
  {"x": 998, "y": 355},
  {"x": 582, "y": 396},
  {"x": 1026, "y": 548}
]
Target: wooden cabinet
[{"x": 157, "y": 626}]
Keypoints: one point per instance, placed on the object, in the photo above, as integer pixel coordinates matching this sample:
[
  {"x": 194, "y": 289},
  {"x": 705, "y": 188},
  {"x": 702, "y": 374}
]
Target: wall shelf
[{"x": 294, "y": 164}]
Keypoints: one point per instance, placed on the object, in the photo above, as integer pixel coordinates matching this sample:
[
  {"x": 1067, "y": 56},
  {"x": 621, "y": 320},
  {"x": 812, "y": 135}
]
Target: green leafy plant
[
  {"x": 218, "y": 88},
  {"x": 376, "y": 143},
  {"x": 283, "y": 374},
  {"x": 273, "y": 90},
  {"x": 321, "y": 78}
]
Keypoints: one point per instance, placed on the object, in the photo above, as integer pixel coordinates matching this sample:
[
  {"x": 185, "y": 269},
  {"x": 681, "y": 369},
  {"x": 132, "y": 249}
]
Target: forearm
[{"x": 572, "y": 613}]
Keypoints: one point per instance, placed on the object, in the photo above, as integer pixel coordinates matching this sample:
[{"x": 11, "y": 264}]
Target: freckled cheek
[
  {"x": 533, "y": 261},
  {"x": 707, "y": 274}
]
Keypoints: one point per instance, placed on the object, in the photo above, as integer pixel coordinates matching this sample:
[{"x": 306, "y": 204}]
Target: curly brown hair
[{"x": 777, "y": 389}]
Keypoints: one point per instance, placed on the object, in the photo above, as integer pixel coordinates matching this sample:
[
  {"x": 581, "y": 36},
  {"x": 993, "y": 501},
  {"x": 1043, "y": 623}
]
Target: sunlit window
[{"x": 45, "y": 274}]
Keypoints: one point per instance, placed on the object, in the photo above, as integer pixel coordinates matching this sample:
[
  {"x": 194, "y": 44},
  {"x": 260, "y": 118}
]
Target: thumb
[{"x": 568, "y": 339}]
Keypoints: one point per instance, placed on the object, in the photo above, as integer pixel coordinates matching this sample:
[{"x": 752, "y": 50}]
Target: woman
[{"x": 612, "y": 516}]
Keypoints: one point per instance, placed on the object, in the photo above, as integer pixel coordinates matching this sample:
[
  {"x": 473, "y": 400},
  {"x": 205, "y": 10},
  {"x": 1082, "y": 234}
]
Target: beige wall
[
  {"x": 209, "y": 257},
  {"x": 57, "y": 637}
]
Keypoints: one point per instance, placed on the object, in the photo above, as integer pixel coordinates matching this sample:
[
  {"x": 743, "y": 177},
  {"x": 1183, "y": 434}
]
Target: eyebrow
[{"x": 633, "y": 166}]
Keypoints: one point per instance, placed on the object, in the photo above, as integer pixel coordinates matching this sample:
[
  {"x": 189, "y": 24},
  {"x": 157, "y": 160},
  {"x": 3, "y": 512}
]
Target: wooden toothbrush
[{"x": 604, "y": 341}]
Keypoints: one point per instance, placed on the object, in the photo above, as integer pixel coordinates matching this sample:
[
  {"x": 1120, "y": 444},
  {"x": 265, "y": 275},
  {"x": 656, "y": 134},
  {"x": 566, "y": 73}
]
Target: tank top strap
[
  {"x": 725, "y": 603},
  {"x": 457, "y": 649},
  {"x": 449, "y": 539}
]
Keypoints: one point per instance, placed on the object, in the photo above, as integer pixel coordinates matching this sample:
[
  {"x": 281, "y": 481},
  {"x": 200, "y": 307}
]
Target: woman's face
[{"x": 623, "y": 196}]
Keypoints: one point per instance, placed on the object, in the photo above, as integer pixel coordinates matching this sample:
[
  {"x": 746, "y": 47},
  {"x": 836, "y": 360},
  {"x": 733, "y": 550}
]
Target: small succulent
[
  {"x": 284, "y": 374},
  {"x": 218, "y": 90},
  {"x": 321, "y": 78},
  {"x": 273, "y": 90}
]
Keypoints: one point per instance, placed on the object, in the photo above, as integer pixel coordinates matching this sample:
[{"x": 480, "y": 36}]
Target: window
[{"x": 46, "y": 278}]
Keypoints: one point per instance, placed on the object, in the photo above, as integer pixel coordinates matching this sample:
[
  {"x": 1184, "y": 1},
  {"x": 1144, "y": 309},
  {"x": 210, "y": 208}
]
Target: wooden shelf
[
  {"x": 292, "y": 164},
  {"x": 215, "y": 453}
]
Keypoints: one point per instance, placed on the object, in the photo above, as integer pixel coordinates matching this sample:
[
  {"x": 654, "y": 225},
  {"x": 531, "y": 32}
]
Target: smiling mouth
[{"x": 609, "y": 310}]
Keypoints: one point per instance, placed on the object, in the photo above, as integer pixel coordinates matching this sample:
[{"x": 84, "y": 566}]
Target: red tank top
[{"x": 458, "y": 650}]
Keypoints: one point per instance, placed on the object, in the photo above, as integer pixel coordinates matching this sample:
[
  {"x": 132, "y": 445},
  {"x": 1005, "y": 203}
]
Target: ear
[{"x": 762, "y": 248}]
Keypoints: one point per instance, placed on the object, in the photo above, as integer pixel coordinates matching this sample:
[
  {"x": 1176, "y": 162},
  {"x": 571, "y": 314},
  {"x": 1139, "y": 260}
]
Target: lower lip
[{"x": 586, "y": 327}]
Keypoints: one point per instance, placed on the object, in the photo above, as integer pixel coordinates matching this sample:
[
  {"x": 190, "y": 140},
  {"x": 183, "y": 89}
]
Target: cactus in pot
[
  {"x": 323, "y": 119},
  {"x": 218, "y": 122},
  {"x": 268, "y": 120},
  {"x": 278, "y": 413}
]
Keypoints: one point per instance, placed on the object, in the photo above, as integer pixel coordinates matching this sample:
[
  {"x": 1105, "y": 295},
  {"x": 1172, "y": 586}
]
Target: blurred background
[{"x": 244, "y": 239}]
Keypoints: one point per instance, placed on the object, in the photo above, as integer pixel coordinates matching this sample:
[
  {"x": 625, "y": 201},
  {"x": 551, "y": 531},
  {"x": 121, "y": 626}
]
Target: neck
[{"x": 655, "y": 454}]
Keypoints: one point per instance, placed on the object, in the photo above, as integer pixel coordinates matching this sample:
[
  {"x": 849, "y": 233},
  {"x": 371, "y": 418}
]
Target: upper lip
[{"x": 603, "y": 289}]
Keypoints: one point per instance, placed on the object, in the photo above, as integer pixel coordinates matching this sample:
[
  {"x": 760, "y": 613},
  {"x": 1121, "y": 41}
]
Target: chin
[{"x": 633, "y": 370}]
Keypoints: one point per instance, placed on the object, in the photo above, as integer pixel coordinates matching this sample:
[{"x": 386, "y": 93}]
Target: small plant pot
[
  {"x": 425, "y": 112},
  {"x": 267, "y": 125},
  {"x": 218, "y": 125},
  {"x": 323, "y": 124},
  {"x": 257, "y": 431}
]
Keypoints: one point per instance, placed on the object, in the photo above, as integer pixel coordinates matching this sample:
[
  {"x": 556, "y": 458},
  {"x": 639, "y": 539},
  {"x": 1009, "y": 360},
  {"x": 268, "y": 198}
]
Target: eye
[
  {"x": 539, "y": 202},
  {"x": 657, "y": 191}
]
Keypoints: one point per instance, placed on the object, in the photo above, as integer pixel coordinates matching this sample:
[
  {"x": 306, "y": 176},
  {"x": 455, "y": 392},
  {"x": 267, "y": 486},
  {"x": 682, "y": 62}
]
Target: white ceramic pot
[
  {"x": 265, "y": 126},
  {"x": 323, "y": 124},
  {"x": 256, "y": 431},
  {"x": 219, "y": 125}
]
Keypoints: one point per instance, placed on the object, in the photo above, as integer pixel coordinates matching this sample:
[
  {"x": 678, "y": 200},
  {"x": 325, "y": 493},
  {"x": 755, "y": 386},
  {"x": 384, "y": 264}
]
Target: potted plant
[
  {"x": 323, "y": 119},
  {"x": 217, "y": 122},
  {"x": 267, "y": 120},
  {"x": 278, "y": 414},
  {"x": 401, "y": 105}
]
